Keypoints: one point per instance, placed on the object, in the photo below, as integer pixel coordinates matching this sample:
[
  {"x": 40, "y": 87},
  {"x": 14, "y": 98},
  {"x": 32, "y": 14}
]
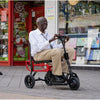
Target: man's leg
[
  {"x": 54, "y": 55},
  {"x": 70, "y": 52}
]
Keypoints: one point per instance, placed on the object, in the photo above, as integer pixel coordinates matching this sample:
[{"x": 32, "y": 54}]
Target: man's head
[{"x": 42, "y": 23}]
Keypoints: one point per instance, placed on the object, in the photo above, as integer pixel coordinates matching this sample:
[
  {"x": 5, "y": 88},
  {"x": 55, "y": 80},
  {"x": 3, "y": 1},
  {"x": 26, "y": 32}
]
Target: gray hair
[{"x": 40, "y": 20}]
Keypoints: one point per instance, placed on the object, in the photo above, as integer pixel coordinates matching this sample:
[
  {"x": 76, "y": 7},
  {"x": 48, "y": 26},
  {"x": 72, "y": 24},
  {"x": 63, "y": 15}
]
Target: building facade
[{"x": 81, "y": 21}]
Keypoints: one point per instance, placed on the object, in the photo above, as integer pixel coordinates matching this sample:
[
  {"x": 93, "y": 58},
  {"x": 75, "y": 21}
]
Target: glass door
[
  {"x": 20, "y": 35},
  {"x": 34, "y": 13}
]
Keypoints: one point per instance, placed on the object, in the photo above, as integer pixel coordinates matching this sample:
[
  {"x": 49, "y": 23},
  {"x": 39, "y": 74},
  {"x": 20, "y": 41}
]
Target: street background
[{"x": 12, "y": 85}]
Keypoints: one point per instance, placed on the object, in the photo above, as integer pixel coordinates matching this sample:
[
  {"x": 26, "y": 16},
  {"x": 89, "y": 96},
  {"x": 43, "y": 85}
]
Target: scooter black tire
[
  {"x": 74, "y": 83},
  {"x": 47, "y": 78},
  {"x": 29, "y": 81}
]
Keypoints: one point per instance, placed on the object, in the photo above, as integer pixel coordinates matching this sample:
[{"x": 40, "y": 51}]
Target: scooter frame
[{"x": 71, "y": 79}]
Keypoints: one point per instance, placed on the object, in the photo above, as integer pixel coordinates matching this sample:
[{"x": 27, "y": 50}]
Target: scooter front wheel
[
  {"x": 74, "y": 83},
  {"x": 29, "y": 81}
]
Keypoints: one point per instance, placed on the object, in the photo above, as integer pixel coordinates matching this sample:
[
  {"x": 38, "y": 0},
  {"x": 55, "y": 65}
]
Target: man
[{"x": 43, "y": 47}]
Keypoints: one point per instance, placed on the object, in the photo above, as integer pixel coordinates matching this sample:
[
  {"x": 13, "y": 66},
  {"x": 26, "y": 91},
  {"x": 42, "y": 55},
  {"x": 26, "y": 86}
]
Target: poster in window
[{"x": 3, "y": 16}]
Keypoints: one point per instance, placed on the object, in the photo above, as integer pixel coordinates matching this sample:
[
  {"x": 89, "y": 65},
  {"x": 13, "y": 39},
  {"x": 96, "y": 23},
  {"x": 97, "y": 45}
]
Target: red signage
[{"x": 4, "y": 16}]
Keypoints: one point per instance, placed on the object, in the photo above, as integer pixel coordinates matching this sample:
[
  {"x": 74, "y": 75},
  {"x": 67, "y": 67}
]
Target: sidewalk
[
  {"x": 17, "y": 96},
  {"x": 12, "y": 85}
]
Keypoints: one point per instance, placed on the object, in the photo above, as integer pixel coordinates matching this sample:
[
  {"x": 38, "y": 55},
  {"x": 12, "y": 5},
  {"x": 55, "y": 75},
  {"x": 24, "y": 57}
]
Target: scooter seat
[{"x": 42, "y": 61}]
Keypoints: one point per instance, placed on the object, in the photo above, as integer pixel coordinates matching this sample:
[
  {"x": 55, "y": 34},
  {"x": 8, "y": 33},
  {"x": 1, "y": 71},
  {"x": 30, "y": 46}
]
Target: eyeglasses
[{"x": 44, "y": 23}]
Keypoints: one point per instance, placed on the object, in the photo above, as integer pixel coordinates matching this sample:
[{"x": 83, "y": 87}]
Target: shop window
[
  {"x": 3, "y": 30},
  {"x": 82, "y": 21}
]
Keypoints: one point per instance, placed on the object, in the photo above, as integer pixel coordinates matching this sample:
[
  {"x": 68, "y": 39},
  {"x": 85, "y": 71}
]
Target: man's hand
[
  {"x": 54, "y": 37},
  {"x": 67, "y": 38}
]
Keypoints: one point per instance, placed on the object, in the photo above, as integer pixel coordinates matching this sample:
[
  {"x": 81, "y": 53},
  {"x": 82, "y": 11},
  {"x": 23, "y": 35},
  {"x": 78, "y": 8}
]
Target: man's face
[{"x": 43, "y": 25}]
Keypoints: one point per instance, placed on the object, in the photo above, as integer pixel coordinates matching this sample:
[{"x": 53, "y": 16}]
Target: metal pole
[{"x": 66, "y": 4}]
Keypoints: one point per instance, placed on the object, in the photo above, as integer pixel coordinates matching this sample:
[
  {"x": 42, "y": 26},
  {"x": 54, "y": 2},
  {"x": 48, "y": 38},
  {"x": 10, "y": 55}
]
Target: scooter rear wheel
[
  {"x": 29, "y": 81},
  {"x": 48, "y": 77},
  {"x": 74, "y": 83}
]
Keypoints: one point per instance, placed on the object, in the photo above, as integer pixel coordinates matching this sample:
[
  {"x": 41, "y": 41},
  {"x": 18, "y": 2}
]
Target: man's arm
[
  {"x": 53, "y": 38},
  {"x": 37, "y": 44},
  {"x": 53, "y": 42}
]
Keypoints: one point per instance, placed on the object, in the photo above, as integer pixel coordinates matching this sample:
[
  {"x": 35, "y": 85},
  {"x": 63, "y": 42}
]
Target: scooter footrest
[
  {"x": 39, "y": 79},
  {"x": 55, "y": 83}
]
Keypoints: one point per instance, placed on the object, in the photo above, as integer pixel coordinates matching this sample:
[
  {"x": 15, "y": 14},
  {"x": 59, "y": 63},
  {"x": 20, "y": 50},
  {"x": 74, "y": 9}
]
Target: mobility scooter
[{"x": 70, "y": 79}]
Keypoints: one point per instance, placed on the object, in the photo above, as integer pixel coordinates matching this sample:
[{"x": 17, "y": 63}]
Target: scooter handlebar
[{"x": 63, "y": 37}]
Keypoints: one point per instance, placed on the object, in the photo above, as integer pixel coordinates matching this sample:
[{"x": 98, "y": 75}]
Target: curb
[{"x": 85, "y": 68}]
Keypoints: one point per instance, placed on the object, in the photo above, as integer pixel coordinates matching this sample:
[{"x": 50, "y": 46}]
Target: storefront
[
  {"x": 81, "y": 21},
  {"x": 17, "y": 19}
]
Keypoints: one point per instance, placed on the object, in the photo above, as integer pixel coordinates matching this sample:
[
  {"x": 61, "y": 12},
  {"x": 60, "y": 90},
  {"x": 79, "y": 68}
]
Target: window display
[
  {"x": 4, "y": 31},
  {"x": 82, "y": 18}
]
